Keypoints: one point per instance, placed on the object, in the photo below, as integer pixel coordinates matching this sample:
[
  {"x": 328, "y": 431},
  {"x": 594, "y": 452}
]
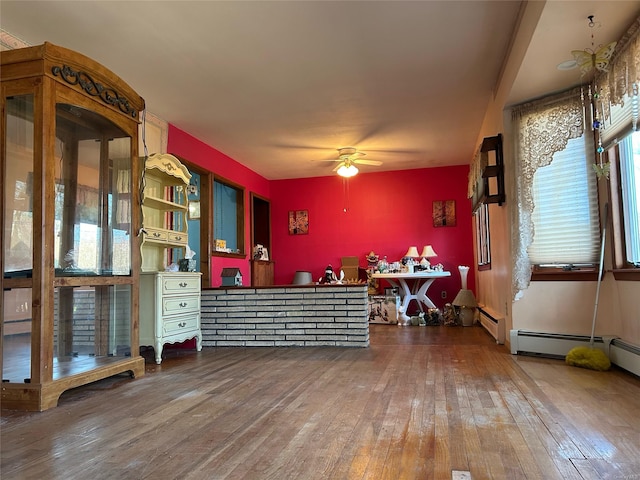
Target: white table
[{"x": 420, "y": 283}]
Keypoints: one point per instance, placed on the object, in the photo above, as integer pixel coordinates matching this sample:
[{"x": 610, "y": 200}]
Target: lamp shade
[
  {"x": 465, "y": 298},
  {"x": 428, "y": 251},
  {"x": 302, "y": 278},
  {"x": 412, "y": 252},
  {"x": 347, "y": 171}
]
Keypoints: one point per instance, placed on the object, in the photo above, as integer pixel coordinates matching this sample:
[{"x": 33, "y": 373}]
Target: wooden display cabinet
[{"x": 70, "y": 214}]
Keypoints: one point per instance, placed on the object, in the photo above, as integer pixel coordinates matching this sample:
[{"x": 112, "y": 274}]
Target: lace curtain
[
  {"x": 623, "y": 75},
  {"x": 542, "y": 128}
]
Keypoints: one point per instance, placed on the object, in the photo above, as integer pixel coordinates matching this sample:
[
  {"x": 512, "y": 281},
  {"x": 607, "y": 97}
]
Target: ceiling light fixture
[{"x": 347, "y": 170}]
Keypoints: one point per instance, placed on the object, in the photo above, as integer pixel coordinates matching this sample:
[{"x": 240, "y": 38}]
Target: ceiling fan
[{"x": 348, "y": 156}]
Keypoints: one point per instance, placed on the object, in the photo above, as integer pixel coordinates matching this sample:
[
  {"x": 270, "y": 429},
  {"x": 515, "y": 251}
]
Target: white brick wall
[{"x": 299, "y": 316}]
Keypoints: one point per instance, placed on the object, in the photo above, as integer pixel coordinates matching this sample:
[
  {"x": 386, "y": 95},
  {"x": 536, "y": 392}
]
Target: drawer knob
[
  {"x": 183, "y": 304},
  {"x": 182, "y": 324},
  {"x": 156, "y": 234},
  {"x": 183, "y": 284},
  {"x": 178, "y": 238}
]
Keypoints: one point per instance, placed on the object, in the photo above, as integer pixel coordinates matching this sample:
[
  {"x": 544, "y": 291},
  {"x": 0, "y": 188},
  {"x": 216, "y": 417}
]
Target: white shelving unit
[{"x": 169, "y": 299}]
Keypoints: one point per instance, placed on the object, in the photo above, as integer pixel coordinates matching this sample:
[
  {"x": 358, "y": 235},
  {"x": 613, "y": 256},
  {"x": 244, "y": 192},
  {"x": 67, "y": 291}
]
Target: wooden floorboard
[{"x": 420, "y": 403}]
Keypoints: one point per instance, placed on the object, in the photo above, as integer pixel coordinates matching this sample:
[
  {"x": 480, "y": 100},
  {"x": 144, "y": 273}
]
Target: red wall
[
  {"x": 190, "y": 148},
  {"x": 385, "y": 212}
]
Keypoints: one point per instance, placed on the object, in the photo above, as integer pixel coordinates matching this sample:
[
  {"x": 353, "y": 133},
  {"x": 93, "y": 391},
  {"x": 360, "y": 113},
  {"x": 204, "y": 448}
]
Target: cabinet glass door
[
  {"x": 18, "y": 239},
  {"x": 92, "y": 195}
]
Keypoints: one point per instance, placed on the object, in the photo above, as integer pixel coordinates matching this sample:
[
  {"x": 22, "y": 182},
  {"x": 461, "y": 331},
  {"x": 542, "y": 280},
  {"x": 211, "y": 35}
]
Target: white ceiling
[{"x": 280, "y": 85}]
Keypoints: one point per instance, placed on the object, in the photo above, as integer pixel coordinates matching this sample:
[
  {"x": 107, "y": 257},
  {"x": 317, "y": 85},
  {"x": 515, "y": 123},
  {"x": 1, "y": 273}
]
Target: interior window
[{"x": 228, "y": 218}]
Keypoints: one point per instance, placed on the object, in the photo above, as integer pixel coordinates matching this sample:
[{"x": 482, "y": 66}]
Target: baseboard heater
[
  {"x": 625, "y": 355},
  {"x": 493, "y": 324},
  {"x": 554, "y": 345}
]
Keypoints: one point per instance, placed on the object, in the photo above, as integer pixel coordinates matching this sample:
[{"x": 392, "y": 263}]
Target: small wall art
[
  {"x": 194, "y": 210},
  {"x": 444, "y": 213},
  {"x": 298, "y": 222}
]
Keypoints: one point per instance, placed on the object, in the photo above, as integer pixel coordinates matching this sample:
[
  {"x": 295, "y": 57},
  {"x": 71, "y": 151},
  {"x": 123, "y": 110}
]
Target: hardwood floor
[{"x": 420, "y": 403}]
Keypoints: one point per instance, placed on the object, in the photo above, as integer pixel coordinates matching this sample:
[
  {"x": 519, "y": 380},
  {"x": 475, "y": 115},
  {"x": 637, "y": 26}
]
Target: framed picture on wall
[
  {"x": 194, "y": 210},
  {"x": 298, "y": 222},
  {"x": 444, "y": 213}
]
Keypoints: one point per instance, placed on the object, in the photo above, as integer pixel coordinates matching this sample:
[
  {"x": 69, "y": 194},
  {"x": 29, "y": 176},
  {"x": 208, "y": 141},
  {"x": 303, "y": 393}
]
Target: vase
[{"x": 463, "y": 275}]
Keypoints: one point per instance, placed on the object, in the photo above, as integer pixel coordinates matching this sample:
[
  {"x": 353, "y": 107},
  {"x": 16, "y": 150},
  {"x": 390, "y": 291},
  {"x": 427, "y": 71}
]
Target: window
[
  {"x": 228, "y": 218},
  {"x": 625, "y": 191},
  {"x": 556, "y": 232},
  {"x": 565, "y": 214},
  {"x": 483, "y": 244}
]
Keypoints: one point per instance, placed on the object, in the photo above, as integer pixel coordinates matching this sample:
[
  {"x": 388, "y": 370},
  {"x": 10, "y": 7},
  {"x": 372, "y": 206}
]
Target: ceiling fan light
[{"x": 347, "y": 171}]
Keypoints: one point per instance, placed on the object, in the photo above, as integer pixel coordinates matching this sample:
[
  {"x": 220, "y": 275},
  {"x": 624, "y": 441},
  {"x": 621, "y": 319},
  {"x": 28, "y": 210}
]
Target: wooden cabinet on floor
[{"x": 261, "y": 273}]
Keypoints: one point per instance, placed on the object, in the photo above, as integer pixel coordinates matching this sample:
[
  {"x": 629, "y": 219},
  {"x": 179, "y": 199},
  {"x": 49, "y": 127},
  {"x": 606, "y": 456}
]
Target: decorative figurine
[
  {"x": 418, "y": 320},
  {"x": 450, "y": 317},
  {"x": 403, "y": 318},
  {"x": 372, "y": 260},
  {"x": 329, "y": 276}
]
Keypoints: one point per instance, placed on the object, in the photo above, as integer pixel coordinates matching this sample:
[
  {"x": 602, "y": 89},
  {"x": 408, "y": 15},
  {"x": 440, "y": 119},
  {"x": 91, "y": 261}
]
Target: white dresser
[{"x": 169, "y": 309}]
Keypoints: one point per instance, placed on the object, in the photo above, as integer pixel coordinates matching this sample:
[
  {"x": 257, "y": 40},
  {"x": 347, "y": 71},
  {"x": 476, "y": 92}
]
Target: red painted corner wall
[
  {"x": 385, "y": 212},
  {"x": 190, "y": 148}
]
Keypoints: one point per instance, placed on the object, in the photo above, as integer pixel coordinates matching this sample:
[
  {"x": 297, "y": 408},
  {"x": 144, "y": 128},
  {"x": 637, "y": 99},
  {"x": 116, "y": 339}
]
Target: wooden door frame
[
  {"x": 252, "y": 197},
  {"x": 206, "y": 219}
]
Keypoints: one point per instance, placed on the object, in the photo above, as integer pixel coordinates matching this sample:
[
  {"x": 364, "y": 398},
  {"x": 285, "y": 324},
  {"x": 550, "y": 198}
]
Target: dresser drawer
[
  {"x": 155, "y": 235},
  {"x": 177, "y": 237},
  {"x": 182, "y": 324},
  {"x": 181, "y": 304},
  {"x": 180, "y": 284}
]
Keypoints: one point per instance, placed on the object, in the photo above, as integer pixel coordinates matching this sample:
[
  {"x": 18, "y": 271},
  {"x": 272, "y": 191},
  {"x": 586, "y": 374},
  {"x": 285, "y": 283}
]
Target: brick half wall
[{"x": 314, "y": 315}]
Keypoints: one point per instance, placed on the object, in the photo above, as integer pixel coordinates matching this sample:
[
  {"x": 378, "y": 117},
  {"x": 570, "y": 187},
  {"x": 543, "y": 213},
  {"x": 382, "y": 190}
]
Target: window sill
[
  {"x": 228, "y": 255},
  {"x": 627, "y": 274},
  {"x": 559, "y": 275}
]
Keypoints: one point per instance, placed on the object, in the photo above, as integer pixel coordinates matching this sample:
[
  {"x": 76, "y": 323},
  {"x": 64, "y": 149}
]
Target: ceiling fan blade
[{"x": 377, "y": 163}]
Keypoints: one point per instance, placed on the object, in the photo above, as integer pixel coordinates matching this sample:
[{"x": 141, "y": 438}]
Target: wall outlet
[{"x": 443, "y": 294}]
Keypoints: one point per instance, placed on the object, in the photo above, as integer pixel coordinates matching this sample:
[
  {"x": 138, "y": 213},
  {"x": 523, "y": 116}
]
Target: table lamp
[
  {"x": 467, "y": 303},
  {"x": 427, "y": 252},
  {"x": 412, "y": 253}
]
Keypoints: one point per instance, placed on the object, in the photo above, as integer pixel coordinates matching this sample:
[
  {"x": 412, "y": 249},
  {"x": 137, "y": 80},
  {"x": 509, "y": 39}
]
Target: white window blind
[
  {"x": 565, "y": 216},
  {"x": 621, "y": 120}
]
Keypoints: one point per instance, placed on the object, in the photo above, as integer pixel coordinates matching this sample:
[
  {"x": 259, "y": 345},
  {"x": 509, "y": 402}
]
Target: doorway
[{"x": 260, "y": 222}]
